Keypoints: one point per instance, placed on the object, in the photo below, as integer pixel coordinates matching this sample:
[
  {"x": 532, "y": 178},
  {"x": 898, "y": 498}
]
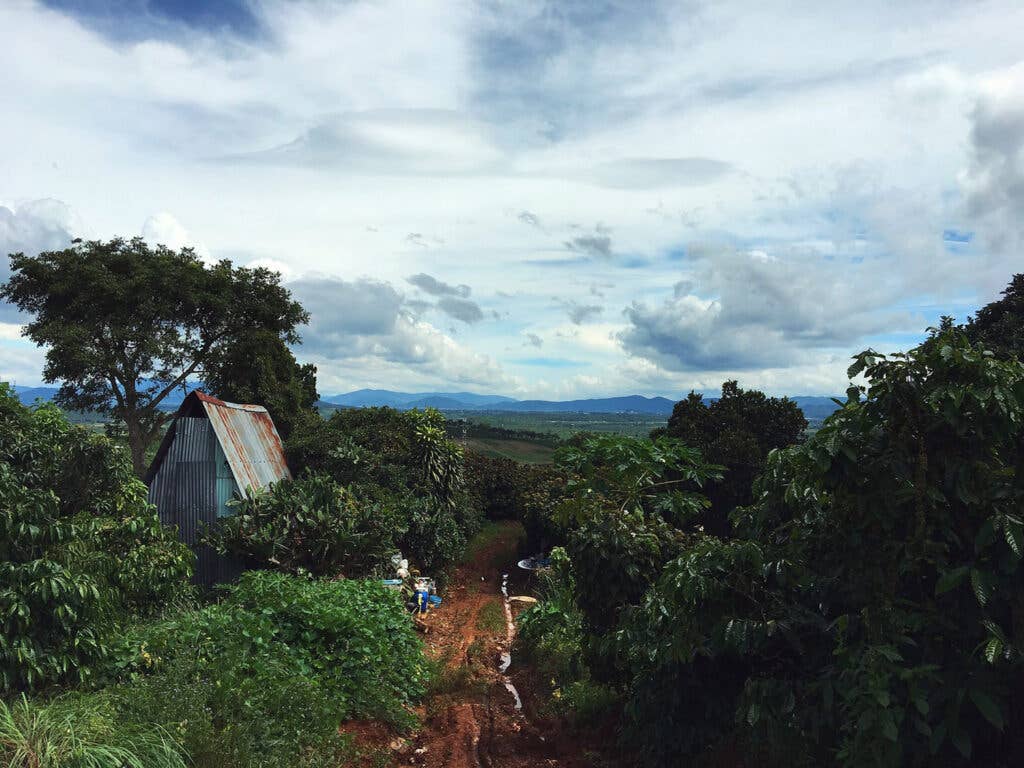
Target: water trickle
[{"x": 510, "y": 633}]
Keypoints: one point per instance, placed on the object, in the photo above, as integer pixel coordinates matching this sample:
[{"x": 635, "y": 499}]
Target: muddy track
[{"x": 476, "y": 724}]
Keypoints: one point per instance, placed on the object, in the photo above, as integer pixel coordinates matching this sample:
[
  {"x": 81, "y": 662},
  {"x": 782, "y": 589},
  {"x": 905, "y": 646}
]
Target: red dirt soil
[{"x": 473, "y": 722}]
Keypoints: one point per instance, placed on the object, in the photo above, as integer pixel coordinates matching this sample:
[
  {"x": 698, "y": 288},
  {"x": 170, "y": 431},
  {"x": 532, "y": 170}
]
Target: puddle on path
[{"x": 510, "y": 633}]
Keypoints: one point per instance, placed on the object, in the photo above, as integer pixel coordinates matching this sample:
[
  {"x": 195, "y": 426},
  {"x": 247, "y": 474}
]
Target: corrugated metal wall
[
  {"x": 184, "y": 486},
  {"x": 185, "y": 492},
  {"x": 226, "y": 485}
]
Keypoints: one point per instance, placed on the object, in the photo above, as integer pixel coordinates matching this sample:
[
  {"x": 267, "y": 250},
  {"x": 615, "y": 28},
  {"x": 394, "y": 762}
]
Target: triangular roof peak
[{"x": 246, "y": 434}]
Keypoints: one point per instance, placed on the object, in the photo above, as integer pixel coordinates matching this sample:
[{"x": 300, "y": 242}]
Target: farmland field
[
  {"x": 518, "y": 450},
  {"x": 565, "y": 424}
]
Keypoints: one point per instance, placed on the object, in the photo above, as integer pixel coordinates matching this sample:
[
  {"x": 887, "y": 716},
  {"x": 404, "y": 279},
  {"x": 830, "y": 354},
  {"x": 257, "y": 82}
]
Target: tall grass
[{"x": 78, "y": 733}]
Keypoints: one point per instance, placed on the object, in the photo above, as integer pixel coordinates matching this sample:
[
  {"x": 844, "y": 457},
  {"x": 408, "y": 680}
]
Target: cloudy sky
[{"x": 541, "y": 199}]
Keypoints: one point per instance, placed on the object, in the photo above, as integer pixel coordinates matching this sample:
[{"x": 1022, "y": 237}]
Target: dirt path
[{"x": 472, "y": 720}]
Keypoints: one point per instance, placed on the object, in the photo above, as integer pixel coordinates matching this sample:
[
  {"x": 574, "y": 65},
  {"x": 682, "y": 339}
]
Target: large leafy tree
[
  {"x": 737, "y": 431},
  {"x": 125, "y": 324},
  {"x": 258, "y": 367}
]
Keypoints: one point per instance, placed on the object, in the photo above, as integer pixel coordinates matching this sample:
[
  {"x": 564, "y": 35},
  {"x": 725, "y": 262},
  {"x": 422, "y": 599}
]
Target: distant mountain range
[
  {"x": 29, "y": 395},
  {"x": 467, "y": 401},
  {"x": 815, "y": 408},
  {"x": 364, "y": 398}
]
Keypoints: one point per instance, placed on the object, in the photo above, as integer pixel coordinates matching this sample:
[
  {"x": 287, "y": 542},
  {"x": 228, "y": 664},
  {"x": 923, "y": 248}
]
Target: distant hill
[
  {"x": 815, "y": 408},
  {"x": 28, "y": 395},
  {"x": 628, "y": 404},
  {"x": 467, "y": 401},
  {"x": 365, "y": 398},
  {"x": 442, "y": 403}
]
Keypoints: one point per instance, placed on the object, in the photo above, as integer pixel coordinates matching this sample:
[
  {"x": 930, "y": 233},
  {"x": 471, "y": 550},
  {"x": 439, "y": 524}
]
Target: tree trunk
[{"x": 138, "y": 441}]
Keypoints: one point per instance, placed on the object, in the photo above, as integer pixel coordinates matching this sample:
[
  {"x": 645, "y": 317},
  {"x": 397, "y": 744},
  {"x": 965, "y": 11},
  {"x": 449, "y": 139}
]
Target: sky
[{"x": 538, "y": 199}]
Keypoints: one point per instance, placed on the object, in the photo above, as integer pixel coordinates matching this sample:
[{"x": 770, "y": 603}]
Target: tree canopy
[
  {"x": 1000, "y": 324},
  {"x": 258, "y": 367},
  {"x": 736, "y": 431},
  {"x": 126, "y": 324}
]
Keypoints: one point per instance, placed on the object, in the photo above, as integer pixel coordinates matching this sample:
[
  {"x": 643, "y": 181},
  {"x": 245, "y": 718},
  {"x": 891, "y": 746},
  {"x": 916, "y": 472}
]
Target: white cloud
[
  {"x": 10, "y": 331},
  {"x": 20, "y": 363},
  {"x": 760, "y": 310},
  {"x": 164, "y": 229},
  {"x": 362, "y": 320},
  {"x": 31, "y": 227},
  {"x": 828, "y": 139}
]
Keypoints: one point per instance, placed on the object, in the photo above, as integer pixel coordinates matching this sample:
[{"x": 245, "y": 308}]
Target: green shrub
[
  {"x": 239, "y": 717},
  {"x": 552, "y": 637},
  {"x": 404, "y": 484},
  {"x": 80, "y": 549},
  {"x": 435, "y": 539},
  {"x": 310, "y": 525},
  {"x": 355, "y": 445},
  {"x": 736, "y": 430},
  {"x": 265, "y": 677},
  {"x": 536, "y": 500},
  {"x": 587, "y": 703},
  {"x": 616, "y": 556},
  {"x": 550, "y": 634},
  {"x": 496, "y": 485},
  {"x": 869, "y": 612},
  {"x": 79, "y": 732}
]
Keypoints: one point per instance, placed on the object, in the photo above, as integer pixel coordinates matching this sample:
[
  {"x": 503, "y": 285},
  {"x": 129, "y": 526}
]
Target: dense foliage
[
  {"x": 737, "y": 430},
  {"x": 492, "y": 484},
  {"x": 999, "y": 326},
  {"x": 126, "y": 324},
  {"x": 373, "y": 481},
  {"x": 264, "y": 677},
  {"x": 866, "y": 610},
  {"x": 258, "y": 367},
  {"x": 310, "y": 525},
  {"x": 80, "y": 549}
]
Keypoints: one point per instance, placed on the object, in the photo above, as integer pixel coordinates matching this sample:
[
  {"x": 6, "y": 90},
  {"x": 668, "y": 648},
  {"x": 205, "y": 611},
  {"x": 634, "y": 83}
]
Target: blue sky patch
[
  {"x": 550, "y": 362},
  {"x": 130, "y": 20}
]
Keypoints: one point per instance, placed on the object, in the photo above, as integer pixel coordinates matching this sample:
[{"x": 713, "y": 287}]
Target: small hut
[{"x": 212, "y": 452}]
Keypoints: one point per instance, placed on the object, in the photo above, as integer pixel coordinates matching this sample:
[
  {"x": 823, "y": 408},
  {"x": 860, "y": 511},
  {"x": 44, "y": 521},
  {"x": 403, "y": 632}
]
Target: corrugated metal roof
[{"x": 249, "y": 439}]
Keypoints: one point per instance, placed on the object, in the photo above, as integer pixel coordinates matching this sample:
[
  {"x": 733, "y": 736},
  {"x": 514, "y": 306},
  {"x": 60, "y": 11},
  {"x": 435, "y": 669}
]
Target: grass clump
[
  {"x": 79, "y": 732},
  {"x": 491, "y": 618}
]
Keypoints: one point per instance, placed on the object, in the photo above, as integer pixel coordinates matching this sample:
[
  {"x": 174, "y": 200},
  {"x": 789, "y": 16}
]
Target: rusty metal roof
[
  {"x": 247, "y": 435},
  {"x": 250, "y": 442}
]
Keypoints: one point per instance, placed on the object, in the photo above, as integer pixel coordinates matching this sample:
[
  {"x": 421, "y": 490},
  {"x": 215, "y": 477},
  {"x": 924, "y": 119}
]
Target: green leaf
[
  {"x": 1014, "y": 533},
  {"x": 889, "y": 727},
  {"x": 988, "y": 708},
  {"x": 950, "y": 580},
  {"x": 962, "y": 741},
  {"x": 981, "y": 582},
  {"x": 993, "y": 649}
]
